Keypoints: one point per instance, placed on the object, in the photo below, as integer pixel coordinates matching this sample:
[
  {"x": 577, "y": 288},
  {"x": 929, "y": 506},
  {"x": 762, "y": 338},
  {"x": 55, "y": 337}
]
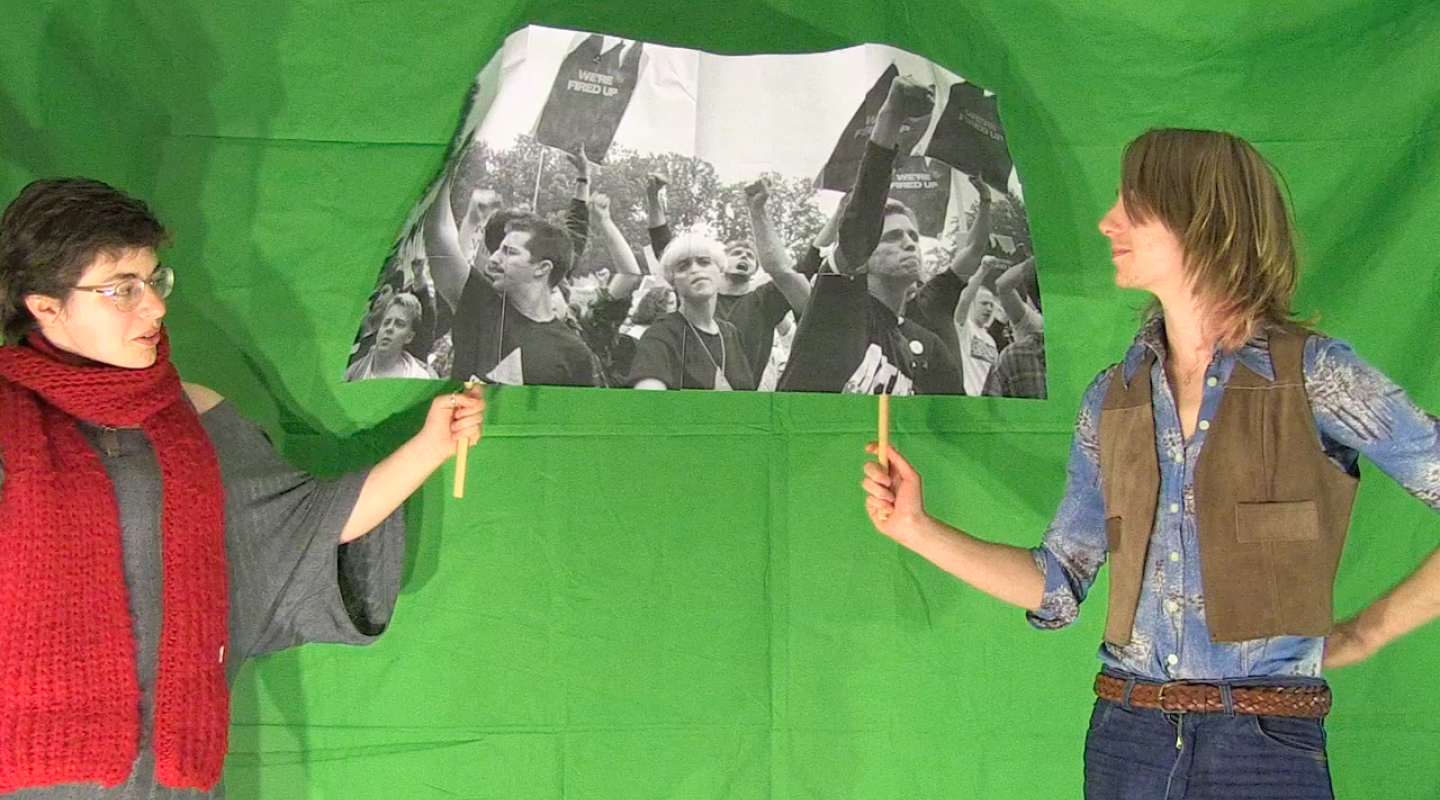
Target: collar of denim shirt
[{"x": 1254, "y": 354}]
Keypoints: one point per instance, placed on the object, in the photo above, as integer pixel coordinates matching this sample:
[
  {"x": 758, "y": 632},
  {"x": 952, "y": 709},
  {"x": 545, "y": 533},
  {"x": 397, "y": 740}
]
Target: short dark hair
[
  {"x": 499, "y": 224},
  {"x": 547, "y": 242},
  {"x": 56, "y": 228},
  {"x": 893, "y": 207}
]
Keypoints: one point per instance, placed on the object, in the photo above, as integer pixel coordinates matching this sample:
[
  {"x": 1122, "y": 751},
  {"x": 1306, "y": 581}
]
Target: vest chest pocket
[{"x": 1297, "y": 521}]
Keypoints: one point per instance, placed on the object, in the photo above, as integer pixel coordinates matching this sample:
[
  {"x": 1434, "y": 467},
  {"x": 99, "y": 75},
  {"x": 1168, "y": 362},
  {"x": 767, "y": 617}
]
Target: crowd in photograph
[{"x": 501, "y": 292}]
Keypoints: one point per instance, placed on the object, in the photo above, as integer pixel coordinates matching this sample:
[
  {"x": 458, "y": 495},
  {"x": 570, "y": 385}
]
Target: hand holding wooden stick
[
  {"x": 462, "y": 450},
  {"x": 882, "y": 453}
]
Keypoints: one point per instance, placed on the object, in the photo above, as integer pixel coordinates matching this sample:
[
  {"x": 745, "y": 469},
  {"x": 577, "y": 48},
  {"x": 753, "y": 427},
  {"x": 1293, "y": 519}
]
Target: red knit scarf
[{"x": 69, "y": 695}]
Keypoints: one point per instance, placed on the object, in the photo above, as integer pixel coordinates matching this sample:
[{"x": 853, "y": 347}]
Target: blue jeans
[{"x": 1146, "y": 754}]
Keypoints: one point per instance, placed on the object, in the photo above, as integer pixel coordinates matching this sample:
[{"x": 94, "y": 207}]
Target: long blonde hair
[{"x": 1223, "y": 200}]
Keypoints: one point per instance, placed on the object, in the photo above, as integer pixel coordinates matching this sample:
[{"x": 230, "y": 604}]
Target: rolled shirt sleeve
[{"x": 1074, "y": 546}]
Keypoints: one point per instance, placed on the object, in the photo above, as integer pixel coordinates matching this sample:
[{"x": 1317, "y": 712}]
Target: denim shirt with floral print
[{"x": 1357, "y": 410}]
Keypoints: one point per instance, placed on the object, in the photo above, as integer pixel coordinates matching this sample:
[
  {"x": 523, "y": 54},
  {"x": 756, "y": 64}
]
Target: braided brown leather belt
[{"x": 1273, "y": 701}]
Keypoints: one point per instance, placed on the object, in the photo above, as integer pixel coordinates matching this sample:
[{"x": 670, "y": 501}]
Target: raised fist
[
  {"x": 582, "y": 164},
  {"x": 992, "y": 265},
  {"x": 485, "y": 201},
  {"x": 757, "y": 192},
  {"x": 600, "y": 205},
  {"x": 910, "y": 99},
  {"x": 980, "y": 188}
]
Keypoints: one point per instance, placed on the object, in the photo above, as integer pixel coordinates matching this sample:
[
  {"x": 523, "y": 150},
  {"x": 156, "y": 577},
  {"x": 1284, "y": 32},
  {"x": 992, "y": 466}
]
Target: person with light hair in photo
[
  {"x": 1214, "y": 467},
  {"x": 759, "y": 284},
  {"x": 691, "y": 347},
  {"x": 387, "y": 357}
]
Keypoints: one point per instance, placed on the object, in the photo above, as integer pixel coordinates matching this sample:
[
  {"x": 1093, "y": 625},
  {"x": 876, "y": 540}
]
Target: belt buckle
[{"x": 1160, "y": 697}]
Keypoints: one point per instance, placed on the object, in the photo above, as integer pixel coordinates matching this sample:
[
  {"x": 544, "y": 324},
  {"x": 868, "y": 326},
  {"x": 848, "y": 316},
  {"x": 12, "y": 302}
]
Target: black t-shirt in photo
[
  {"x": 682, "y": 356},
  {"x": 848, "y": 341},
  {"x": 497, "y": 344},
  {"x": 755, "y": 315}
]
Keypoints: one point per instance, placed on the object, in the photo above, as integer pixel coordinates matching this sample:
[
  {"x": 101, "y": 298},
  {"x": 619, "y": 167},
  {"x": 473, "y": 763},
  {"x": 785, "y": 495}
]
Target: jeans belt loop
[
  {"x": 1227, "y": 699},
  {"x": 1129, "y": 687}
]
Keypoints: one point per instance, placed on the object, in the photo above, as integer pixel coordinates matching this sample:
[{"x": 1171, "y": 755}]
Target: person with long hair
[
  {"x": 151, "y": 540},
  {"x": 1214, "y": 468}
]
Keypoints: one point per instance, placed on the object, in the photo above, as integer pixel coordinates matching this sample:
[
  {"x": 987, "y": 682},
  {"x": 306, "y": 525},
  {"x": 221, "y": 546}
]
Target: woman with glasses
[{"x": 151, "y": 540}]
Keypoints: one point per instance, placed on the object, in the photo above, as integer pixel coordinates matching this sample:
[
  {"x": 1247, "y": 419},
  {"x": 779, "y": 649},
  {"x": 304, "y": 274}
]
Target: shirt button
[
  {"x": 1211, "y": 381},
  {"x": 1204, "y": 424},
  {"x": 1174, "y": 557},
  {"x": 1172, "y": 659},
  {"x": 1179, "y": 458},
  {"x": 1172, "y": 606},
  {"x": 1174, "y": 507}
]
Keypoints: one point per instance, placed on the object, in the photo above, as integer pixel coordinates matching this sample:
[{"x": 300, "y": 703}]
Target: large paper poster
[{"x": 623, "y": 214}]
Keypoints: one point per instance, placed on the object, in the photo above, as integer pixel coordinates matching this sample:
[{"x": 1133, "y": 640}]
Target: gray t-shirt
[{"x": 291, "y": 581}]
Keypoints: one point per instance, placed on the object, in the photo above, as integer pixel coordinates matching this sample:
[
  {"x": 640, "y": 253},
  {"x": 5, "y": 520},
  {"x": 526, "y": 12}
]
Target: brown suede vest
[{"x": 1272, "y": 510}]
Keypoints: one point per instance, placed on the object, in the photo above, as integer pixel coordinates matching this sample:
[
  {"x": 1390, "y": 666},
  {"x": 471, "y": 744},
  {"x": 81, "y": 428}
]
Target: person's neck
[
  {"x": 735, "y": 284},
  {"x": 1191, "y": 335},
  {"x": 533, "y": 302},
  {"x": 890, "y": 291},
  {"x": 385, "y": 360},
  {"x": 62, "y": 353},
  {"x": 700, "y": 314}
]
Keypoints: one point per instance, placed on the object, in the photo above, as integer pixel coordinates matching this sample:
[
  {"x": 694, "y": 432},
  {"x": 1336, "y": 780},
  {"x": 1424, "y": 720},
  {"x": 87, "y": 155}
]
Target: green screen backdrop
[{"x": 678, "y": 596}]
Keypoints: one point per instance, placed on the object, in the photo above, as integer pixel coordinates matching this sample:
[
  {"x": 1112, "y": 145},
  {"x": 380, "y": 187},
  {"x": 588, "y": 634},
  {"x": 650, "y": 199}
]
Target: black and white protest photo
[{"x": 623, "y": 214}]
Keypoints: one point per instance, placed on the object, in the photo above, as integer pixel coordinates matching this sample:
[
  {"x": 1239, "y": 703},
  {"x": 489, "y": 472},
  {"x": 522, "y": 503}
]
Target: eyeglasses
[{"x": 127, "y": 294}]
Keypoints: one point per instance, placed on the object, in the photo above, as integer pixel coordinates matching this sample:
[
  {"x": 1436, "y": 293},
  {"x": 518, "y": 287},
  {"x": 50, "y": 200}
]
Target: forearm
[
  {"x": 1011, "y": 279},
  {"x": 967, "y": 297},
  {"x": 863, "y": 219},
  {"x": 627, "y": 269},
  {"x": 1411, "y": 604},
  {"x": 472, "y": 230},
  {"x": 655, "y": 211},
  {"x": 776, "y": 261},
  {"x": 1007, "y": 290},
  {"x": 660, "y": 237},
  {"x": 886, "y": 132},
  {"x": 447, "y": 263},
  {"x": 968, "y": 254},
  {"x": 1000, "y": 570},
  {"x": 577, "y": 221},
  {"x": 388, "y": 485}
]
